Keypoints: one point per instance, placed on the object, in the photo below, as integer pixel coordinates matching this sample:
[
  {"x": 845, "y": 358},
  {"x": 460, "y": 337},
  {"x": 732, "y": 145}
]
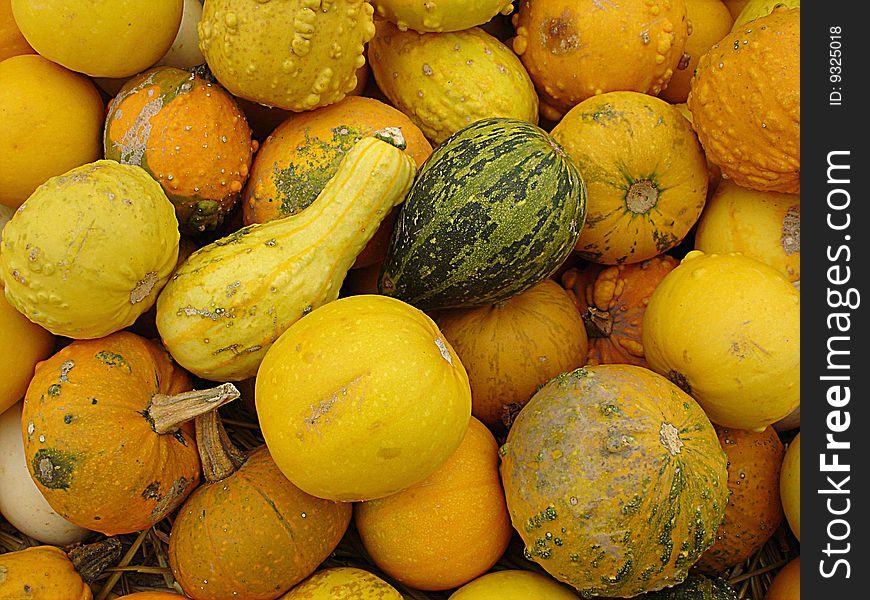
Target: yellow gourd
[
  {"x": 790, "y": 485},
  {"x": 726, "y": 329},
  {"x": 290, "y": 54},
  {"x": 758, "y": 8},
  {"x": 362, "y": 398},
  {"x": 89, "y": 251},
  {"x": 514, "y": 584},
  {"x": 230, "y": 300},
  {"x": 444, "y": 15},
  {"x": 22, "y": 345}
]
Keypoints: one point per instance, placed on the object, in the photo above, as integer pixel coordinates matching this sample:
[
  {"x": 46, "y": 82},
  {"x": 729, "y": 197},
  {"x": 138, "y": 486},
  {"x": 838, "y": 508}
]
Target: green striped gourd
[
  {"x": 496, "y": 208},
  {"x": 230, "y": 300}
]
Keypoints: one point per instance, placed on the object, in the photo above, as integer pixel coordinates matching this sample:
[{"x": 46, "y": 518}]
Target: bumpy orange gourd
[
  {"x": 754, "y": 510},
  {"x": 41, "y": 572},
  {"x": 575, "y": 49},
  {"x": 248, "y": 532},
  {"x": 302, "y": 154},
  {"x": 612, "y": 301},
  {"x": 614, "y": 480},
  {"x": 745, "y": 103},
  {"x": 449, "y": 528},
  {"x": 102, "y": 436},
  {"x": 763, "y": 225},
  {"x": 726, "y": 329},
  {"x": 645, "y": 172},
  {"x": 709, "y": 22},
  {"x": 190, "y": 135},
  {"x": 511, "y": 347}
]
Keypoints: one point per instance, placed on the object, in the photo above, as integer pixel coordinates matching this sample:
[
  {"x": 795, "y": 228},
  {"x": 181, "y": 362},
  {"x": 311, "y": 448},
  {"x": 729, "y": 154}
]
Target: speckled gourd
[
  {"x": 291, "y": 54},
  {"x": 231, "y": 299},
  {"x": 89, "y": 251},
  {"x": 615, "y": 480},
  {"x": 445, "y": 81},
  {"x": 440, "y": 15}
]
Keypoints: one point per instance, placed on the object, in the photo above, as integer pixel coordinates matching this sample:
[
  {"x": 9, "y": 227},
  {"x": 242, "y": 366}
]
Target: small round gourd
[
  {"x": 614, "y": 479},
  {"x": 444, "y": 15},
  {"x": 89, "y": 251},
  {"x": 449, "y": 528},
  {"x": 343, "y": 583},
  {"x": 347, "y": 432},
  {"x": 726, "y": 329},
  {"x": 790, "y": 485},
  {"x": 786, "y": 585},
  {"x": 645, "y": 172},
  {"x": 514, "y": 584},
  {"x": 29, "y": 570},
  {"x": 511, "y": 347},
  {"x": 22, "y": 344}
]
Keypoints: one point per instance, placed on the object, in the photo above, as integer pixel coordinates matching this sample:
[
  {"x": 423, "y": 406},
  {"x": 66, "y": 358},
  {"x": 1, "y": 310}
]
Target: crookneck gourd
[
  {"x": 247, "y": 532},
  {"x": 615, "y": 480},
  {"x": 231, "y": 299},
  {"x": 105, "y": 433}
]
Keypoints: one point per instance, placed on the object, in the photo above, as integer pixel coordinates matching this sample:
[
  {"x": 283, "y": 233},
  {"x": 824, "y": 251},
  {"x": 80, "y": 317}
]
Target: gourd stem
[
  {"x": 90, "y": 560},
  {"x": 599, "y": 323},
  {"x": 167, "y": 413},
  {"x": 220, "y": 458}
]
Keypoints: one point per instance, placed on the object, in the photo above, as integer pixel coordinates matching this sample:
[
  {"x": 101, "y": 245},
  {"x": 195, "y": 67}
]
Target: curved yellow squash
[
  {"x": 89, "y": 251},
  {"x": 231, "y": 299}
]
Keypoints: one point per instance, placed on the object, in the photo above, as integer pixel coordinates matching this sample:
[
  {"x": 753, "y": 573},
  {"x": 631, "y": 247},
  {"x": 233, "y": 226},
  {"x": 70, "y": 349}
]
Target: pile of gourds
[{"x": 480, "y": 270}]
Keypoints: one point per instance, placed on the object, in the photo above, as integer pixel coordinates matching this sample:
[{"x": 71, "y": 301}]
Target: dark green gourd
[{"x": 496, "y": 209}]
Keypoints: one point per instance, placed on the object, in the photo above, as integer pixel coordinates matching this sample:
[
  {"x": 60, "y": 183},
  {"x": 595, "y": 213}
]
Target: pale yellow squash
[
  {"x": 362, "y": 398},
  {"x": 726, "y": 329}
]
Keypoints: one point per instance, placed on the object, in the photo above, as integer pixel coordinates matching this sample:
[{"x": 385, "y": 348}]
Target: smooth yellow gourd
[
  {"x": 230, "y": 300},
  {"x": 22, "y": 345},
  {"x": 362, "y": 398},
  {"x": 726, "y": 329},
  {"x": 514, "y": 584},
  {"x": 89, "y": 251}
]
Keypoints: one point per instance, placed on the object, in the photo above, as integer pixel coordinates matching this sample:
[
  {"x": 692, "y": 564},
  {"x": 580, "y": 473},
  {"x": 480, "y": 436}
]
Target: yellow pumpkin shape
[
  {"x": 444, "y": 15},
  {"x": 754, "y": 9},
  {"x": 102, "y": 38},
  {"x": 709, "y": 22},
  {"x": 512, "y": 347},
  {"x": 745, "y": 103},
  {"x": 790, "y": 485},
  {"x": 786, "y": 585},
  {"x": 22, "y": 345},
  {"x": 41, "y": 573},
  {"x": 343, "y": 583},
  {"x": 190, "y": 135},
  {"x": 645, "y": 173},
  {"x": 381, "y": 418},
  {"x": 449, "y": 528},
  {"x": 90, "y": 250},
  {"x": 575, "y": 49},
  {"x": 754, "y": 510},
  {"x": 726, "y": 329},
  {"x": 12, "y": 43},
  {"x": 763, "y": 225},
  {"x": 514, "y": 584},
  {"x": 445, "y": 81},
  {"x": 52, "y": 118},
  {"x": 291, "y": 54}
]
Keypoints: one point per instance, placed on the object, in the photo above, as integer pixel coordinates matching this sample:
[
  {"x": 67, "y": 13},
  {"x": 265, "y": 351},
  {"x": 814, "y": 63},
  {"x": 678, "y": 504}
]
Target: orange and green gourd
[
  {"x": 190, "y": 135},
  {"x": 615, "y": 480},
  {"x": 246, "y": 531},
  {"x": 105, "y": 436},
  {"x": 612, "y": 301},
  {"x": 745, "y": 103},
  {"x": 645, "y": 172}
]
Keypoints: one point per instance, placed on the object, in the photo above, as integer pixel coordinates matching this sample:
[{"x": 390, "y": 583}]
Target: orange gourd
[
  {"x": 790, "y": 485},
  {"x": 574, "y": 49},
  {"x": 754, "y": 510},
  {"x": 511, "y": 347},
  {"x": 103, "y": 434},
  {"x": 150, "y": 596},
  {"x": 248, "y": 532},
  {"x": 745, "y": 103},
  {"x": 449, "y": 528},
  {"x": 612, "y": 301},
  {"x": 190, "y": 135},
  {"x": 786, "y": 585}
]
